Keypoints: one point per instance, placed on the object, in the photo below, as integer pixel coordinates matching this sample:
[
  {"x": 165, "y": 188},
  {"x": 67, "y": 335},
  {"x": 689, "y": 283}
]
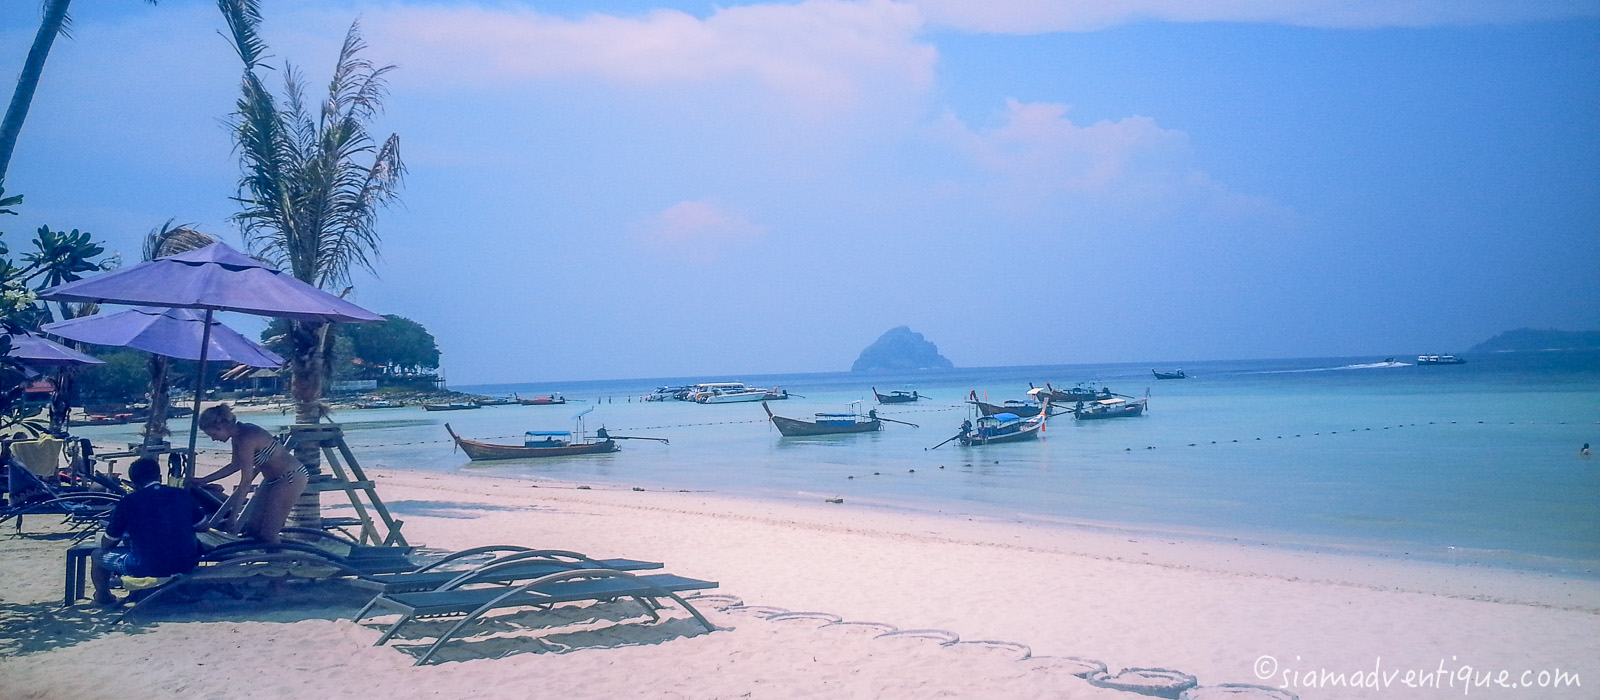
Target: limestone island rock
[
  {"x": 1532, "y": 340},
  {"x": 899, "y": 349}
]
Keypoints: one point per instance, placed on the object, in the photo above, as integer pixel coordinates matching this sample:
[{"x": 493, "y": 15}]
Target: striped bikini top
[{"x": 265, "y": 454}]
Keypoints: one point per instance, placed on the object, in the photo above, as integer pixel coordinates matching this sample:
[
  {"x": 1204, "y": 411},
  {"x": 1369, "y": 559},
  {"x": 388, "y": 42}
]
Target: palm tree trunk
[
  {"x": 307, "y": 373},
  {"x": 155, "y": 425},
  {"x": 55, "y": 14}
]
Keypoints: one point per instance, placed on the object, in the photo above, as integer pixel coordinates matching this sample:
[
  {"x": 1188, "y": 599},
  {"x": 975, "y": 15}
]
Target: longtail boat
[
  {"x": 537, "y": 443},
  {"x": 1003, "y": 427},
  {"x": 1169, "y": 375},
  {"x": 452, "y": 406},
  {"x": 1021, "y": 408},
  {"x": 1062, "y": 397},
  {"x": 554, "y": 400},
  {"x": 1110, "y": 408},
  {"x": 825, "y": 424},
  {"x": 896, "y": 396}
]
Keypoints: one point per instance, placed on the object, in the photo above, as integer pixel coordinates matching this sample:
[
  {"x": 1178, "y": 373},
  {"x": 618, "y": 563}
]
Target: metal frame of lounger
[
  {"x": 529, "y": 564},
  {"x": 542, "y": 592},
  {"x": 89, "y": 510},
  {"x": 356, "y": 551}
]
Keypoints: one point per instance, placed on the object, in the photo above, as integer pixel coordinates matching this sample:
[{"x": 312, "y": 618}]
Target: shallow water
[{"x": 1468, "y": 463}]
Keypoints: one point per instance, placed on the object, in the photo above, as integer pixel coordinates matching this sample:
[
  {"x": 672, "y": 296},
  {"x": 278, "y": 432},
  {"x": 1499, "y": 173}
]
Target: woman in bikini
[{"x": 254, "y": 451}]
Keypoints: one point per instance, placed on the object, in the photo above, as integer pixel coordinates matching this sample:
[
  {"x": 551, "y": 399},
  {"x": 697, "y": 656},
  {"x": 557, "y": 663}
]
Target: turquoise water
[{"x": 1468, "y": 463}]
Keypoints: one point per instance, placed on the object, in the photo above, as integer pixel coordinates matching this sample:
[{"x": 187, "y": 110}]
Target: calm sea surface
[{"x": 1473, "y": 463}]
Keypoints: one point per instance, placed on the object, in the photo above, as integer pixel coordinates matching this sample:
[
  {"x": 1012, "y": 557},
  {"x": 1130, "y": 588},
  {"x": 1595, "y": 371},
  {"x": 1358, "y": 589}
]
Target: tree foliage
[
  {"x": 124, "y": 377},
  {"x": 398, "y": 344},
  {"x": 312, "y": 179},
  {"x": 56, "y": 257}
]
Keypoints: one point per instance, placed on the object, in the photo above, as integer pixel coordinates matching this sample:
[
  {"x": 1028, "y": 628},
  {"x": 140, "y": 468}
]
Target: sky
[{"x": 616, "y": 189}]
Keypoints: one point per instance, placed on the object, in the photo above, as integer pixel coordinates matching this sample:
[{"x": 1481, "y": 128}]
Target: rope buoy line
[
  {"x": 1136, "y": 680},
  {"x": 1381, "y": 428}
]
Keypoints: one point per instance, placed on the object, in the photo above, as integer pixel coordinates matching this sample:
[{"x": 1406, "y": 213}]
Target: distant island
[
  {"x": 1533, "y": 340},
  {"x": 898, "y": 349}
]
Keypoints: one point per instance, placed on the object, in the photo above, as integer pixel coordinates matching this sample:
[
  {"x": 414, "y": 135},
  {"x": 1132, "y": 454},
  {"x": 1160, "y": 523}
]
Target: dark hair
[{"x": 144, "y": 470}]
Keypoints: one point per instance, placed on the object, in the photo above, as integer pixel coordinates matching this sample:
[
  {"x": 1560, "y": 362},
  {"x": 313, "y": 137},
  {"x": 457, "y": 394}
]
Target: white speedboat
[{"x": 743, "y": 395}]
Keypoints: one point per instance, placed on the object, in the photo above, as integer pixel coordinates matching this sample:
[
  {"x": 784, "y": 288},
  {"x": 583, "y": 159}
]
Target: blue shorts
[{"x": 117, "y": 560}]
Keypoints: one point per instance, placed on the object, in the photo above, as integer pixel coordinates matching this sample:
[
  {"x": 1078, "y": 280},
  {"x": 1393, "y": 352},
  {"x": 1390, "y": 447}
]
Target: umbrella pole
[{"x": 199, "y": 391}]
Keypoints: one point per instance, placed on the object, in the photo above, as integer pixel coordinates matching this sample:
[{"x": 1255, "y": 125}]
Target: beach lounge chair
[
  {"x": 85, "y": 510},
  {"x": 520, "y": 564},
  {"x": 583, "y": 585},
  {"x": 250, "y": 566},
  {"x": 242, "y": 559}
]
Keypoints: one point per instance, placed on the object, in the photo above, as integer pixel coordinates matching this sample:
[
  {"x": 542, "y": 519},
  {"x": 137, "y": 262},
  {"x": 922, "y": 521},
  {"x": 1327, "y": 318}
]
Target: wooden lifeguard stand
[{"x": 343, "y": 474}]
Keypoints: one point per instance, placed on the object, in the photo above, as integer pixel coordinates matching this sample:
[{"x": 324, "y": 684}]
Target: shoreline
[
  {"x": 1138, "y": 544},
  {"x": 1289, "y": 548}
]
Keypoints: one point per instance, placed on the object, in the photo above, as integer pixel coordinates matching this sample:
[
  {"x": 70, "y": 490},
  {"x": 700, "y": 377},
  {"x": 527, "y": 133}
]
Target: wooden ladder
[{"x": 346, "y": 476}]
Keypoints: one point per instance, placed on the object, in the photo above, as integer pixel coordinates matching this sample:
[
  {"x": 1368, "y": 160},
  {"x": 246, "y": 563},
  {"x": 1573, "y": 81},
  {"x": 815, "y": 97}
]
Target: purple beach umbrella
[
  {"x": 40, "y": 352},
  {"x": 175, "y": 333},
  {"x": 213, "y": 278}
]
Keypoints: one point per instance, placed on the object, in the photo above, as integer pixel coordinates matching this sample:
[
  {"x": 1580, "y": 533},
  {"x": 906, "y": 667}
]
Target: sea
[{"x": 1477, "y": 463}]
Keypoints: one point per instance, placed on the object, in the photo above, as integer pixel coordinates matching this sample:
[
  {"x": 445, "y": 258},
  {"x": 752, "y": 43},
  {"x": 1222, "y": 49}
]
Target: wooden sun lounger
[
  {"x": 566, "y": 587},
  {"x": 520, "y": 565}
]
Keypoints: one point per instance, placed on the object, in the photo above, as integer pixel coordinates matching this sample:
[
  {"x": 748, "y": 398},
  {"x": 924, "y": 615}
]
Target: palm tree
[
  {"x": 313, "y": 181},
  {"x": 159, "y": 243},
  {"x": 307, "y": 203},
  {"x": 53, "y": 24}
]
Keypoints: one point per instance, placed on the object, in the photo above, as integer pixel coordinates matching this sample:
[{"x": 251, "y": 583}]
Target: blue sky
[{"x": 634, "y": 189}]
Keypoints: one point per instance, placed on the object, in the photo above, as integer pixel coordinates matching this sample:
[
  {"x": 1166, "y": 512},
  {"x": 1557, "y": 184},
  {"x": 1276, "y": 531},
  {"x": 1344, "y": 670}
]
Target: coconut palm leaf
[{"x": 312, "y": 178}]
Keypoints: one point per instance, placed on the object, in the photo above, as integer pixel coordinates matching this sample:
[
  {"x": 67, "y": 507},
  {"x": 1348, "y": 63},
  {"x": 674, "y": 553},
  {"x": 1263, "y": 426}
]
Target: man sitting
[{"x": 156, "y": 525}]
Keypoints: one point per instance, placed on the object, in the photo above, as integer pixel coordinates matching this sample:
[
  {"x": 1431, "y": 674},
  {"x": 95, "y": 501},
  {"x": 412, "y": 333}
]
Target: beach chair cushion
[{"x": 42, "y": 457}]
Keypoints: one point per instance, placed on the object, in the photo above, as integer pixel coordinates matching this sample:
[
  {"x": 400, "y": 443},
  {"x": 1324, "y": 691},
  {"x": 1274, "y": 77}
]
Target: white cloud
[
  {"x": 821, "y": 54},
  {"x": 1043, "y": 16},
  {"x": 698, "y": 230},
  {"x": 1039, "y": 156}
]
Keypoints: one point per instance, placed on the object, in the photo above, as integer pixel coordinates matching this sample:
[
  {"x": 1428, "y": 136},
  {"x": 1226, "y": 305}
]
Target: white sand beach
[{"x": 1226, "y": 613}]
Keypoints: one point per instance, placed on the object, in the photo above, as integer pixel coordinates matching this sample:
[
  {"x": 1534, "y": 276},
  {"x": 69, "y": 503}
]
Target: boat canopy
[
  {"x": 1109, "y": 402},
  {"x": 549, "y": 433},
  {"x": 1004, "y": 416}
]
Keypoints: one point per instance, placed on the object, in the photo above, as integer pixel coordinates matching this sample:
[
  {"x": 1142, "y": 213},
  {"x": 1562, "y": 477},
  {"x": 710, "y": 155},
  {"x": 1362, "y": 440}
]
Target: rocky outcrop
[
  {"x": 1531, "y": 340},
  {"x": 900, "y": 349}
]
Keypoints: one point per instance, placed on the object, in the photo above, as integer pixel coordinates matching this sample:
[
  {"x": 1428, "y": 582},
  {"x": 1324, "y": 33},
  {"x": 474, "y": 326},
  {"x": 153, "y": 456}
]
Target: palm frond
[
  {"x": 168, "y": 239},
  {"x": 244, "y": 21},
  {"x": 317, "y": 217}
]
